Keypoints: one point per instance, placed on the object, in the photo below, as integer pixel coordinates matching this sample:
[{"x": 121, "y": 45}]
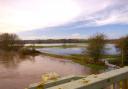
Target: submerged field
[{"x": 76, "y": 52}]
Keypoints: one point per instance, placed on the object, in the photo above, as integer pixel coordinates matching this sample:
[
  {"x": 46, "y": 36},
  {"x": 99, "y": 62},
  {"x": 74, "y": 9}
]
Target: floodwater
[
  {"x": 17, "y": 72},
  {"x": 62, "y": 51},
  {"x": 109, "y": 49}
]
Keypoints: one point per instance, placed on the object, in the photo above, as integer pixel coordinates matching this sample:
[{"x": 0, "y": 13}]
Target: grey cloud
[{"x": 115, "y": 13}]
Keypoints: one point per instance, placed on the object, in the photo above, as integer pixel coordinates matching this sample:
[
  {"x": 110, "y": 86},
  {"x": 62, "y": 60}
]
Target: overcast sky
[{"x": 37, "y": 19}]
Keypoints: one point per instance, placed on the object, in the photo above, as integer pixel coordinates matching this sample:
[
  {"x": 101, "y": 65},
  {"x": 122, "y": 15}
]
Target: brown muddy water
[{"x": 17, "y": 72}]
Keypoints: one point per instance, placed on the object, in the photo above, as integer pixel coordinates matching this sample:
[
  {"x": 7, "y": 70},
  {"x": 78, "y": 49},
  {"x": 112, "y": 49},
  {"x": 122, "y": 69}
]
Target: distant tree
[
  {"x": 122, "y": 46},
  {"x": 9, "y": 42},
  {"x": 64, "y": 41},
  {"x": 96, "y": 47}
]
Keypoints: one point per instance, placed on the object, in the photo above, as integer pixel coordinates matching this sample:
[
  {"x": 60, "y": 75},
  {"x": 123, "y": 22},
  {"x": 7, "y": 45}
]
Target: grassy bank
[{"x": 78, "y": 59}]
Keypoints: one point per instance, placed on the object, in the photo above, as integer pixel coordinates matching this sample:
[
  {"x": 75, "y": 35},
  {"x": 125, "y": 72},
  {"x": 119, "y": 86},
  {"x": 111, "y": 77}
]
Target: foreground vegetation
[{"x": 122, "y": 46}]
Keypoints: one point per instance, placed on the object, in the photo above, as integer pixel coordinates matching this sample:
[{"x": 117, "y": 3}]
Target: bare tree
[{"x": 9, "y": 42}]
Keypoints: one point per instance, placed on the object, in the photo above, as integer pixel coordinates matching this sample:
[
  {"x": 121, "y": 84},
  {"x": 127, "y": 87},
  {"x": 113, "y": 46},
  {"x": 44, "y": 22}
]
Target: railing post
[
  {"x": 116, "y": 85},
  {"x": 125, "y": 84}
]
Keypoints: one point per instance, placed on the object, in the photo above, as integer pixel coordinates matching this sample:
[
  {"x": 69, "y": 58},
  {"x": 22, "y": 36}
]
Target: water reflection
[
  {"x": 109, "y": 49},
  {"x": 11, "y": 59},
  {"x": 18, "y": 71}
]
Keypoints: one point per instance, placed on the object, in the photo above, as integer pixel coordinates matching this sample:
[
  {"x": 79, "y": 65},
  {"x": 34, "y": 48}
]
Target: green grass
[
  {"x": 96, "y": 66},
  {"x": 111, "y": 56},
  {"x": 85, "y": 60}
]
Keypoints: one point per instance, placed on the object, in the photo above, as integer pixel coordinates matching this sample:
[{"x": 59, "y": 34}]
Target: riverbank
[
  {"x": 78, "y": 59},
  {"x": 59, "y": 51}
]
